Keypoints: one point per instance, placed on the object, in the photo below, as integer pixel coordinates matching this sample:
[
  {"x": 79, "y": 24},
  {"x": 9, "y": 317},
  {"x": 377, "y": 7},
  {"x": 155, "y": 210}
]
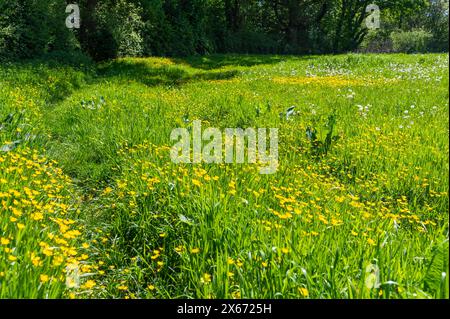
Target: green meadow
[{"x": 91, "y": 205}]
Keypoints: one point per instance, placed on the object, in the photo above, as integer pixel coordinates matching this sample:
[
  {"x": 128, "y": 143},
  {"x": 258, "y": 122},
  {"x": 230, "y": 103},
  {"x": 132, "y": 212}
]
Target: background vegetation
[{"x": 116, "y": 28}]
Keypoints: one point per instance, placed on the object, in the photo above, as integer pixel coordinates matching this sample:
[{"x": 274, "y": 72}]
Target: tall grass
[{"x": 360, "y": 211}]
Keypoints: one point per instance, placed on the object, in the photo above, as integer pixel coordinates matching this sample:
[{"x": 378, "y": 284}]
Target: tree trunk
[
  {"x": 339, "y": 27},
  {"x": 233, "y": 15},
  {"x": 88, "y": 30},
  {"x": 296, "y": 33}
]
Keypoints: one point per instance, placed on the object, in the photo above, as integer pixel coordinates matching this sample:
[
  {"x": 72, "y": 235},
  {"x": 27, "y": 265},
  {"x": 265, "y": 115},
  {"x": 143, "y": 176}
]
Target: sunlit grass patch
[{"x": 330, "y": 81}]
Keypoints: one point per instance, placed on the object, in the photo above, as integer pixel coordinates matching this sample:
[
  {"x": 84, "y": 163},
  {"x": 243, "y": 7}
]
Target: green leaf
[{"x": 437, "y": 272}]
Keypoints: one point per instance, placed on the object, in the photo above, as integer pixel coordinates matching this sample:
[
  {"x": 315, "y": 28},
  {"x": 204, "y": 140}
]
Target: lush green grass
[{"x": 378, "y": 199}]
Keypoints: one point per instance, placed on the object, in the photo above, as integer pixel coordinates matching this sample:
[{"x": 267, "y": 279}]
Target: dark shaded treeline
[{"x": 112, "y": 28}]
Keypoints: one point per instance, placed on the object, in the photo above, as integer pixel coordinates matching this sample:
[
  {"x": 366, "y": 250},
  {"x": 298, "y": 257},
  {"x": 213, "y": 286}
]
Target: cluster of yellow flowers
[
  {"x": 40, "y": 248},
  {"x": 332, "y": 81}
]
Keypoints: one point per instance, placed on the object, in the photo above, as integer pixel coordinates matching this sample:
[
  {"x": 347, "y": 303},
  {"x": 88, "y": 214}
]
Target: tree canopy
[{"x": 114, "y": 28}]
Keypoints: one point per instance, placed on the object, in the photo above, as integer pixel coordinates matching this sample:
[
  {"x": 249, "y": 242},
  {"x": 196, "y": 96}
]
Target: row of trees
[{"x": 112, "y": 28}]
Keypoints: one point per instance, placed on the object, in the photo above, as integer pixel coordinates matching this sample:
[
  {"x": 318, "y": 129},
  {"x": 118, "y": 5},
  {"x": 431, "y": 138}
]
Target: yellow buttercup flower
[
  {"x": 44, "y": 278},
  {"x": 89, "y": 284},
  {"x": 196, "y": 183},
  {"x": 206, "y": 278},
  {"x": 303, "y": 292}
]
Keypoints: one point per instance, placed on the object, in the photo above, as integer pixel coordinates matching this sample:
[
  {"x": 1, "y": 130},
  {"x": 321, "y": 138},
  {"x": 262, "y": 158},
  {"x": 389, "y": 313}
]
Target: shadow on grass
[
  {"x": 175, "y": 72},
  {"x": 219, "y": 61},
  {"x": 156, "y": 74}
]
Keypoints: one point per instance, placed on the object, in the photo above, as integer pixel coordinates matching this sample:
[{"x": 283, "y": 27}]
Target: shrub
[
  {"x": 127, "y": 28},
  {"x": 411, "y": 41},
  {"x": 250, "y": 42},
  {"x": 32, "y": 28},
  {"x": 376, "y": 42}
]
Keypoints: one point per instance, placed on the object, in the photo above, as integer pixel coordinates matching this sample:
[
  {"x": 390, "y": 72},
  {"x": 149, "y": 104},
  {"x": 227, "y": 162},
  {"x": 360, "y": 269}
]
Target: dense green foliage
[
  {"x": 410, "y": 42},
  {"x": 116, "y": 28}
]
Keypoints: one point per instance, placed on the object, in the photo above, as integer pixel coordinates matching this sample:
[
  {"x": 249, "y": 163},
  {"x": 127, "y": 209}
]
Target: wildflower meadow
[{"x": 93, "y": 206}]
